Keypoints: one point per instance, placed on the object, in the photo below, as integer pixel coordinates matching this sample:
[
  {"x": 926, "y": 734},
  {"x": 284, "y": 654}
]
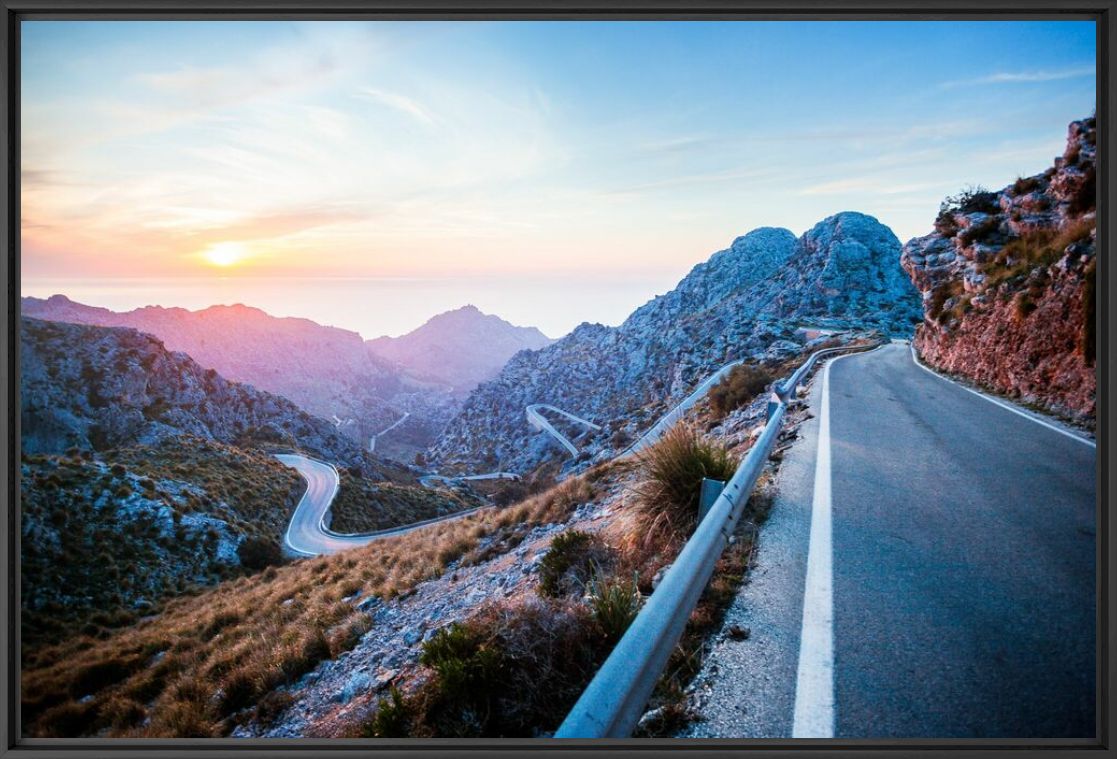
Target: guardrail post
[
  {"x": 773, "y": 404},
  {"x": 711, "y": 489}
]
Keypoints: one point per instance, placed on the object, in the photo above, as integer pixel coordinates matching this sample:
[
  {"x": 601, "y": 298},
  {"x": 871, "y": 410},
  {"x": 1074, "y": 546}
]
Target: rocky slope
[
  {"x": 1008, "y": 286},
  {"x": 743, "y": 301},
  {"x": 460, "y": 348},
  {"x": 96, "y": 388},
  {"x": 325, "y": 370}
]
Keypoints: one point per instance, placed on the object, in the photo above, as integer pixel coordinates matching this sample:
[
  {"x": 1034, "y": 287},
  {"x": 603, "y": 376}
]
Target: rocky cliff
[
  {"x": 843, "y": 273},
  {"x": 459, "y": 348},
  {"x": 96, "y": 388},
  {"x": 1008, "y": 284}
]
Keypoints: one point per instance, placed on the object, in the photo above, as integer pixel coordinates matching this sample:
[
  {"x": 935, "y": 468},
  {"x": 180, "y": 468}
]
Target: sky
[{"x": 550, "y": 172}]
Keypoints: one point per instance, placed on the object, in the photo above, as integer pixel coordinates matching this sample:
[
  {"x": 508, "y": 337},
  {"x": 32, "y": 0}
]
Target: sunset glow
[
  {"x": 472, "y": 152},
  {"x": 225, "y": 254}
]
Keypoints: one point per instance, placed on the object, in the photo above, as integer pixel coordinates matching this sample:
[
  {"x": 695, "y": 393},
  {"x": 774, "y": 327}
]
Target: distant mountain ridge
[
  {"x": 328, "y": 371},
  {"x": 461, "y": 348},
  {"x": 843, "y": 273},
  {"x": 325, "y": 370},
  {"x": 99, "y": 388}
]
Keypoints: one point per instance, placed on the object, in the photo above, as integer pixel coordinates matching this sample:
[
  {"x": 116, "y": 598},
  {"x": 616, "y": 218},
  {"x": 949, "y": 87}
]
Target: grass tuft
[{"x": 671, "y": 480}]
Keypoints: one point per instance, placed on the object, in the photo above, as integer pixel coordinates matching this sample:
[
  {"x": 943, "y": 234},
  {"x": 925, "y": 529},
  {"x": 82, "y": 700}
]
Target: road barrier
[{"x": 612, "y": 703}]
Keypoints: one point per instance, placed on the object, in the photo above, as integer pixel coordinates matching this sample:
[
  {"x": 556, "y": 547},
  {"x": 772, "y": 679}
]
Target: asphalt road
[
  {"x": 539, "y": 422},
  {"x": 307, "y": 536},
  {"x": 953, "y": 587}
]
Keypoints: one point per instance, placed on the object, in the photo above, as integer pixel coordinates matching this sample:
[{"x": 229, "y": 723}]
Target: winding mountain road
[
  {"x": 373, "y": 438},
  {"x": 540, "y": 422},
  {"x": 928, "y": 571},
  {"x": 307, "y": 534}
]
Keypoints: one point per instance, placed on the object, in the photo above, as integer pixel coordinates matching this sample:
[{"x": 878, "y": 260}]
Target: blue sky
[{"x": 623, "y": 151}]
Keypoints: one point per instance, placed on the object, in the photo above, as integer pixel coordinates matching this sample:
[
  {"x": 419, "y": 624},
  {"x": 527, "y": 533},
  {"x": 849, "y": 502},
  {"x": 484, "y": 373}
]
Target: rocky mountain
[
  {"x": 324, "y": 370},
  {"x": 96, "y": 388},
  {"x": 460, "y": 348},
  {"x": 843, "y": 273},
  {"x": 1008, "y": 283},
  {"x": 104, "y": 541}
]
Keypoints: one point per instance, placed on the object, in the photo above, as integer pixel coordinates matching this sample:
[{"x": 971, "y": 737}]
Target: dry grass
[
  {"x": 671, "y": 474},
  {"x": 742, "y": 384},
  {"x": 362, "y": 505},
  {"x": 707, "y": 617},
  {"x": 1019, "y": 257},
  {"x": 203, "y": 664}
]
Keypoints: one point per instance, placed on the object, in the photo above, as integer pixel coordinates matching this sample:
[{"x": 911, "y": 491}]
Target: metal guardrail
[{"x": 613, "y": 702}]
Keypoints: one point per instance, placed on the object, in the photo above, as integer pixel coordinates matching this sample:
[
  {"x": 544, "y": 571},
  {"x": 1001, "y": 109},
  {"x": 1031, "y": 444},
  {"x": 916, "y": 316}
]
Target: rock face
[
  {"x": 325, "y": 370},
  {"x": 97, "y": 388},
  {"x": 1008, "y": 284},
  {"x": 460, "y": 348},
  {"x": 843, "y": 273}
]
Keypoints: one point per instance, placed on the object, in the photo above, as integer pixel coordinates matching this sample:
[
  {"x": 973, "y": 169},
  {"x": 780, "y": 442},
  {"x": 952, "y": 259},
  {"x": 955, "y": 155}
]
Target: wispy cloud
[
  {"x": 1021, "y": 77},
  {"x": 864, "y": 185},
  {"x": 677, "y": 144},
  {"x": 400, "y": 103}
]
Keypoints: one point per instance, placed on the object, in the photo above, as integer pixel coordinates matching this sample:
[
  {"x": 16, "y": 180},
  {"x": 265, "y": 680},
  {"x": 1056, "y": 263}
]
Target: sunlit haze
[{"x": 370, "y": 175}]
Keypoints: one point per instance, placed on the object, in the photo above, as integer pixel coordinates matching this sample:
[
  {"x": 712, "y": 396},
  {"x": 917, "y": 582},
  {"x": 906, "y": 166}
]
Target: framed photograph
[{"x": 420, "y": 378}]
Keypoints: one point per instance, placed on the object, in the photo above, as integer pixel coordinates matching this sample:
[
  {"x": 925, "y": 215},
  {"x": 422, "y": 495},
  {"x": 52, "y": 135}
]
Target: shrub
[
  {"x": 978, "y": 232},
  {"x": 743, "y": 383},
  {"x": 1040, "y": 248},
  {"x": 970, "y": 200},
  {"x": 939, "y": 296},
  {"x": 465, "y": 662},
  {"x": 1024, "y": 185},
  {"x": 510, "y": 671},
  {"x": 392, "y": 718},
  {"x": 259, "y": 553},
  {"x": 615, "y": 603},
  {"x": 671, "y": 480},
  {"x": 569, "y": 563}
]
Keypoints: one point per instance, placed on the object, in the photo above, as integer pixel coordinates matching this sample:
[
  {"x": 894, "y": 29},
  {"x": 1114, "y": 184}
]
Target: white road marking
[
  {"x": 1002, "y": 404},
  {"x": 814, "y": 687}
]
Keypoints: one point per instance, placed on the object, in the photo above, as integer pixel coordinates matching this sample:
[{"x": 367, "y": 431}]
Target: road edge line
[
  {"x": 996, "y": 401},
  {"x": 813, "y": 715}
]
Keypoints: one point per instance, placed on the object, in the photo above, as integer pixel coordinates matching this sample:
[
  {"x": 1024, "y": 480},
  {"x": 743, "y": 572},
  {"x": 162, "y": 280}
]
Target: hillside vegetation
[{"x": 105, "y": 543}]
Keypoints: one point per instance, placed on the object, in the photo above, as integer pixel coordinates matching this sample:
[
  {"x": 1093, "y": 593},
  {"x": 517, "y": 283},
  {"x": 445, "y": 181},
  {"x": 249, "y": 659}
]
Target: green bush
[
  {"x": 569, "y": 563},
  {"x": 392, "y": 718},
  {"x": 970, "y": 200},
  {"x": 466, "y": 664},
  {"x": 614, "y": 603}
]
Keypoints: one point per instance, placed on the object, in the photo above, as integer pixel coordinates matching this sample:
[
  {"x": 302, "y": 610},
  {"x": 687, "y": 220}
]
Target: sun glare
[{"x": 224, "y": 253}]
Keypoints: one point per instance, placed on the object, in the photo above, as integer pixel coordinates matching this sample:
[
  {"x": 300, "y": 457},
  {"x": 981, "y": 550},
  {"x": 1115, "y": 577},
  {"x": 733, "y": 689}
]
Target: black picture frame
[{"x": 1101, "y": 11}]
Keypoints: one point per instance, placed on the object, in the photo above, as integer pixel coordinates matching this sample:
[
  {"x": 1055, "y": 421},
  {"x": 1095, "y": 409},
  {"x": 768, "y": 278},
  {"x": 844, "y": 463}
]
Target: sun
[{"x": 225, "y": 254}]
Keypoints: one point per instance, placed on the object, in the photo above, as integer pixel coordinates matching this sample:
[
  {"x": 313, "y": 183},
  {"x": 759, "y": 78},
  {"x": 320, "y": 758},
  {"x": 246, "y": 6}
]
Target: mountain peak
[{"x": 461, "y": 347}]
